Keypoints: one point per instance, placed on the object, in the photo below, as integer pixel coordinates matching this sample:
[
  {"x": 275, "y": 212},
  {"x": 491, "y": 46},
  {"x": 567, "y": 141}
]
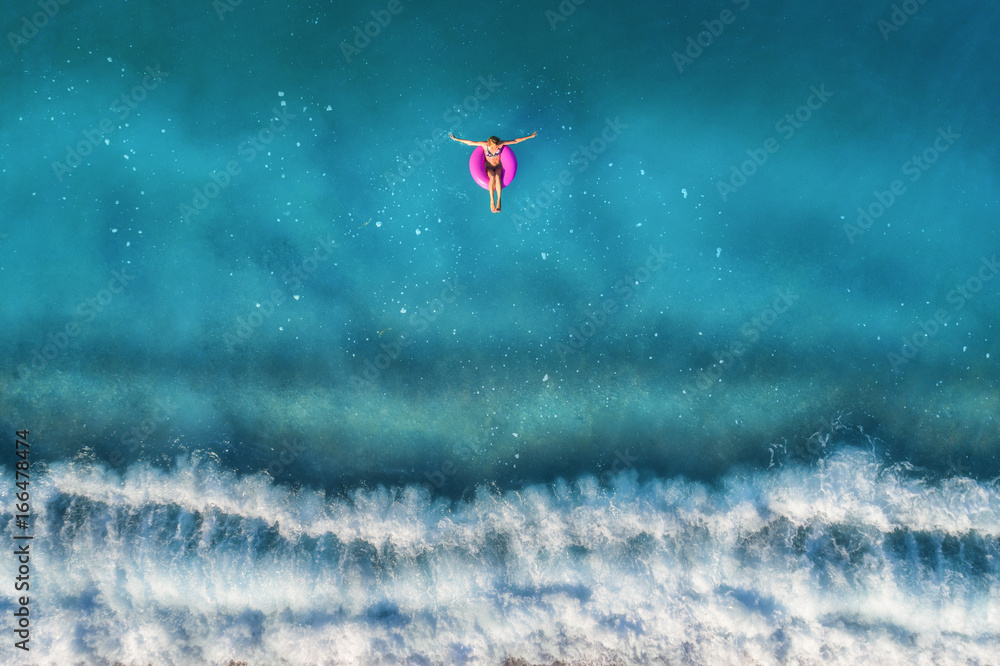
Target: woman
[{"x": 491, "y": 152}]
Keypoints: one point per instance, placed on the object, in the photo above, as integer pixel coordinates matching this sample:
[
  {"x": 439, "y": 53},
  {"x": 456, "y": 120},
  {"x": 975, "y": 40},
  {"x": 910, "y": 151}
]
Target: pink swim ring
[{"x": 477, "y": 166}]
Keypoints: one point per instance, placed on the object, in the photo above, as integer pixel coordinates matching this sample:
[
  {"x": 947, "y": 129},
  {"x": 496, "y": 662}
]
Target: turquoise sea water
[{"x": 717, "y": 386}]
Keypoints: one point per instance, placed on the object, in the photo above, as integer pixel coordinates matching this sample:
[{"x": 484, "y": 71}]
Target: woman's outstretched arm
[
  {"x": 466, "y": 141},
  {"x": 523, "y": 138}
]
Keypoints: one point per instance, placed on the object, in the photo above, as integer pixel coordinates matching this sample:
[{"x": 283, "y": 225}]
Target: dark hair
[{"x": 494, "y": 140}]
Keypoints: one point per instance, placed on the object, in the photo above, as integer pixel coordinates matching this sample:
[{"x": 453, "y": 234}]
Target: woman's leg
[{"x": 493, "y": 184}]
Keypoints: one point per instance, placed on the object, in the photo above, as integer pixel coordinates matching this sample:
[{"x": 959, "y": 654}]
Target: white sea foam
[{"x": 830, "y": 563}]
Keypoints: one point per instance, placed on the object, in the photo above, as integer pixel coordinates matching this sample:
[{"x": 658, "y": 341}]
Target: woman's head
[{"x": 493, "y": 141}]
